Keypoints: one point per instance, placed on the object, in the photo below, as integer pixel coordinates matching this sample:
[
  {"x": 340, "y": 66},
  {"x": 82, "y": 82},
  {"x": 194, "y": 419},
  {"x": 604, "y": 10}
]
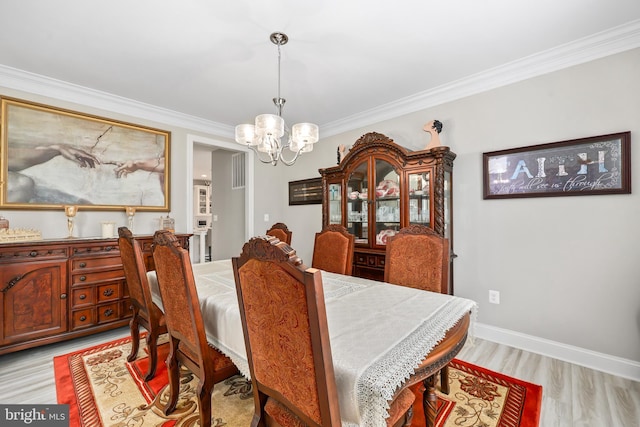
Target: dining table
[{"x": 383, "y": 337}]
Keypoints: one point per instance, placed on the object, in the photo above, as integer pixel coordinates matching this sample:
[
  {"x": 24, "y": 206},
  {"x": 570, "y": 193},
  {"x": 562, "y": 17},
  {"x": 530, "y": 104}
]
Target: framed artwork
[
  {"x": 53, "y": 157},
  {"x": 578, "y": 167},
  {"x": 305, "y": 192}
]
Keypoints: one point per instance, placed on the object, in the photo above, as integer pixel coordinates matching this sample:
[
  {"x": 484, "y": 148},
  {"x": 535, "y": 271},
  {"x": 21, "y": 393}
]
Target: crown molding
[
  {"x": 14, "y": 78},
  {"x": 616, "y": 40},
  {"x": 606, "y": 43}
]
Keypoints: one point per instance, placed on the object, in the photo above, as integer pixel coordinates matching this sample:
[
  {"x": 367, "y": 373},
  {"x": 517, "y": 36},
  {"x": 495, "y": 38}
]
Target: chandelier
[{"x": 270, "y": 135}]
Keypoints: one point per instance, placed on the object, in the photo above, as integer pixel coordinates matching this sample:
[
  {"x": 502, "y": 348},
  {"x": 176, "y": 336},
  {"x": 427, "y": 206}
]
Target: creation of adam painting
[{"x": 53, "y": 157}]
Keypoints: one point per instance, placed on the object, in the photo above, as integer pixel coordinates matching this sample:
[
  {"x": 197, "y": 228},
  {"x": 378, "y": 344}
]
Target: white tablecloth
[{"x": 379, "y": 333}]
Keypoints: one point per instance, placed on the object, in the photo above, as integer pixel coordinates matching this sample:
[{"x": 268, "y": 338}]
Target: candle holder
[
  {"x": 131, "y": 211},
  {"x": 70, "y": 211}
]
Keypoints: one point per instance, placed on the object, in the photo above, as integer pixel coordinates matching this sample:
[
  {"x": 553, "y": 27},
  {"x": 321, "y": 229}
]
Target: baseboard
[{"x": 591, "y": 359}]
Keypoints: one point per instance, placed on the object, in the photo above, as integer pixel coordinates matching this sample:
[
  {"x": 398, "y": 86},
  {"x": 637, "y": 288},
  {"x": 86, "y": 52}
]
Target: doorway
[{"x": 230, "y": 227}]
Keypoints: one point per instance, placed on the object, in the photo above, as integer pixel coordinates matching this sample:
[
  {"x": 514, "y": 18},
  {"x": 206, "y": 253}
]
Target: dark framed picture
[
  {"x": 578, "y": 167},
  {"x": 53, "y": 157},
  {"x": 305, "y": 192}
]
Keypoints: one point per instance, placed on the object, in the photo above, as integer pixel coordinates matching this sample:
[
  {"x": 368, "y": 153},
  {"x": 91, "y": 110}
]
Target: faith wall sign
[{"x": 595, "y": 165}]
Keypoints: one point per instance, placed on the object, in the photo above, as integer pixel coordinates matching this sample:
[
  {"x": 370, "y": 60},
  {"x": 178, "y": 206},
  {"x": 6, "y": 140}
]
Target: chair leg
[
  {"x": 430, "y": 401},
  {"x": 173, "y": 369},
  {"x": 408, "y": 417},
  {"x": 134, "y": 325},
  {"x": 152, "y": 348},
  {"x": 204, "y": 401},
  {"x": 444, "y": 379}
]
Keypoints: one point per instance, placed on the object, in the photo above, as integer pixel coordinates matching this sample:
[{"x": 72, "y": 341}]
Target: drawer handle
[
  {"x": 108, "y": 312},
  {"x": 108, "y": 248},
  {"x": 83, "y": 318},
  {"x": 33, "y": 253},
  {"x": 11, "y": 283},
  {"x": 108, "y": 292},
  {"x": 83, "y": 278},
  {"x": 63, "y": 296},
  {"x": 83, "y": 296},
  {"x": 83, "y": 264}
]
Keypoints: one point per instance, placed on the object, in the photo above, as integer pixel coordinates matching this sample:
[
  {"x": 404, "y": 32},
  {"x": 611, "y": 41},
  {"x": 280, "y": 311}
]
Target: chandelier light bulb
[{"x": 245, "y": 134}]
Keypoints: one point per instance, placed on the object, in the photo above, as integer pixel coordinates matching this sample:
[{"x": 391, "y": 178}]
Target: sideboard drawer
[
  {"x": 82, "y": 318},
  {"x": 108, "y": 313},
  {"x": 98, "y": 277},
  {"x": 97, "y": 248},
  {"x": 108, "y": 292},
  {"x": 32, "y": 253},
  {"x": 80, "y": 264},
  {"x": 82, "y": 296}
]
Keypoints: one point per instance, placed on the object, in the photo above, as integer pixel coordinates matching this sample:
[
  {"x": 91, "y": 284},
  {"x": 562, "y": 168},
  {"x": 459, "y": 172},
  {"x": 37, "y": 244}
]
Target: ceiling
[{"x": 344, "y": 60}]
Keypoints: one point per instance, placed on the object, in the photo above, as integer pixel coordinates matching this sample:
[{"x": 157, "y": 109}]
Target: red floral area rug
[
  {"x": 479, "y": 397},
  {"x": 103, "y": 389}
]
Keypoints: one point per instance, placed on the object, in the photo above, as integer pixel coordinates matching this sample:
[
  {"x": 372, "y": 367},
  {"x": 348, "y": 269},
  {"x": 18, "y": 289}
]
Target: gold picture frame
[{"x": 53, "y": 157}]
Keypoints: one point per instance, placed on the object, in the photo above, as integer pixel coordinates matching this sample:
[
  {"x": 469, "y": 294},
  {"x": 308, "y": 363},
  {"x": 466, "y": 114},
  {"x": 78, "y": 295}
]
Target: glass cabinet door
[
  {"x": 386, "y": 202},
  {"x": 419, "y": 198},
  {"x": 202, "y": 200},
  {"x": 335, "y": 204},
  {"x": 357, "y": 203}
]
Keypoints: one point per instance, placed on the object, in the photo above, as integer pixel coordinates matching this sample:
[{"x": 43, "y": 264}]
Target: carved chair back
[
  {"x": 418, "y": 257},
  {"x": 145, "y": 312},
  {"x": 333, "y": 250},
  {"x": 280, "y": 231},
  {"x": 185, "y": 326}
]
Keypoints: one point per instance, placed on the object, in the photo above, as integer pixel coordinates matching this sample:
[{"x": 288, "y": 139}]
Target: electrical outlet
[
  {"x": 266, "y": 217},
  {"x": 494, "y": 297}
]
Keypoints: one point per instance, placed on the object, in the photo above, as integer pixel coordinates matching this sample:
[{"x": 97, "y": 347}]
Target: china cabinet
[{"x": 380, "y": 187}]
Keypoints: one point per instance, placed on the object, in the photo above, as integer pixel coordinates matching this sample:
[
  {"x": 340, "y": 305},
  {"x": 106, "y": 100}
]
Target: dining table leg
[{"x": 430, "y": 401}]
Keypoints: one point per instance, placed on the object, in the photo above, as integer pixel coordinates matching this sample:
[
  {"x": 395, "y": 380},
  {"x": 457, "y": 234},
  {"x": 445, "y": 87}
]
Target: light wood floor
[{"x": 572, "y": 395}]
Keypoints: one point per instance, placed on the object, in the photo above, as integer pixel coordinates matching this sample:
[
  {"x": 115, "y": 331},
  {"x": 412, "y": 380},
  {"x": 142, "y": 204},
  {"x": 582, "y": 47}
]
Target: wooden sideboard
[{"x": 55, "y": 290}]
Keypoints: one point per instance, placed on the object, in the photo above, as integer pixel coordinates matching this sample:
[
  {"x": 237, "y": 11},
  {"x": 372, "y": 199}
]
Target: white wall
[
  {"x": 567, "y": 267},
  {"x": 228, "y": 206}
]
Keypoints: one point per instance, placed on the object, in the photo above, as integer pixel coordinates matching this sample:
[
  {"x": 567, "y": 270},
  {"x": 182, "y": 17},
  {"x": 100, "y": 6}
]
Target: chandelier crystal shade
[{"x": 269, "y": 130}]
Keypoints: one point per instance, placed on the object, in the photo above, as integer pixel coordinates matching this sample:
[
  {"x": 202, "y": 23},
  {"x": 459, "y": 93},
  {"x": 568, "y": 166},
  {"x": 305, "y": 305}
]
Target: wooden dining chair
[
  {"x": 418, "y": 257},
  {"x": 145, "y": 312},
  {"x": 188, "y": 342},
  {"x": 280, "y": 231},
  {"x": 284, "y": 323},
  {"x": 333, "y": 250}
]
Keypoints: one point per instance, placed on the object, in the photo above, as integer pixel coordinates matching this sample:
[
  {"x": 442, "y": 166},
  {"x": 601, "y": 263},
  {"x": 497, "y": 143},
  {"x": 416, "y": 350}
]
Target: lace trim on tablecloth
[
  {"x": 395, "y": 367},
  {"x": 241, "y": 362}
]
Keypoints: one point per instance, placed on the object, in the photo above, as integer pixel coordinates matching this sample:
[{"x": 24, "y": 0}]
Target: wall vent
[{"x": 237, "y": 171}]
